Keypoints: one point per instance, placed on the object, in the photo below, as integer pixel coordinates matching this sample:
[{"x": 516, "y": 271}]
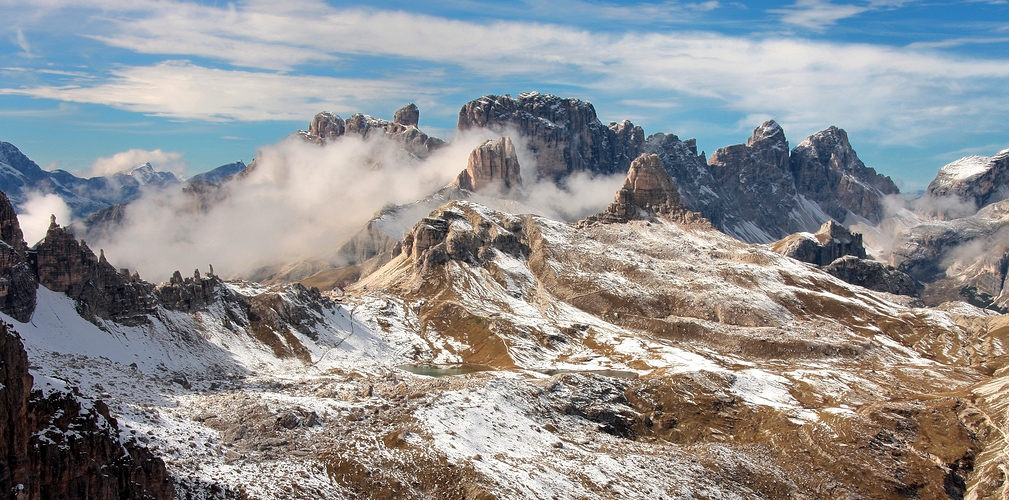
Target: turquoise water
[{"x": 443, "y": 370}]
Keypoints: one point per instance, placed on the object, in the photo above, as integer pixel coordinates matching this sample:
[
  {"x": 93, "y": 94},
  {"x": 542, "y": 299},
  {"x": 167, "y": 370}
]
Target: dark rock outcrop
[
  {"x": 831, "y": 242},
  {"x": 327, "y": 127},
  {"x": 492, "y": 163},
  {"x": 66, "y": 265},
  {"x": 189, "y": 294},
  {"x": 55, "y": 444},
  {"x": 760, "y": 192},
  {"x": 827, "y": 171},
  {"x": 873, "y": 275},
  {"x": 17, "y": 280},
  {"x": 647, "y": 192},
  {"x": 974, "y": 181},
  {"x": 564, "y": 135}
]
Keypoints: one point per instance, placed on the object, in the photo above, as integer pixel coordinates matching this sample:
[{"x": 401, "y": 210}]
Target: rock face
[
  {"x": 58, "y": 445},
  {"x": 873, "y": 275},
  {"x": 831, "y": 242},
  {"x": 974, "y": 181},
  {"x": 827, "y": 171},
  {"x": 327, "y": 127},
  {"x": 564, "y": 135},
  {"x": 17, "y": 280},
  {"x": 188, "y": 294},
  {"x": 493, "y": 162},
  {"x": 756, "y": 188},
  {"x": 458, "y": 231},
  {"x": 647, "y": 192},
  {"x": 65, "y": 265},
  {"x": 407, "y": 116}
]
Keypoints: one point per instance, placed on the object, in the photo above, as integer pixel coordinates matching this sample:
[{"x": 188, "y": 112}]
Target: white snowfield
[{"x": 780, "y": 342}]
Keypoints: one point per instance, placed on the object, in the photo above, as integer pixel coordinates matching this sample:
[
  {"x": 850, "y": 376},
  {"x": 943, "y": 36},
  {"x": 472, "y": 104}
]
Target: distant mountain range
[{"x": 20, "y": 177}]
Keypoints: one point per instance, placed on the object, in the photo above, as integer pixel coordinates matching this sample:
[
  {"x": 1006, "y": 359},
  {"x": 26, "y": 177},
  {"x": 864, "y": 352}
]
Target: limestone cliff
[
  {"x": 563, "y": 134},
  {"x": 832, "y": 241},
  {"x": 492, "y": 163},
  {"x": 327, "y": 127},
  {"x": 827, "y": 171}
]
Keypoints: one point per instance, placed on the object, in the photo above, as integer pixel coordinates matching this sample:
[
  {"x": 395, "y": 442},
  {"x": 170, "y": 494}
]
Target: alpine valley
[{"x": 768, "y": 321}]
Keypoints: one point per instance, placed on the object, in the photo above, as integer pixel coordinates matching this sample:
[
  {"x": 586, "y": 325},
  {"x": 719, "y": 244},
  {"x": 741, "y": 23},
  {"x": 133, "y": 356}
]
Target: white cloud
[
  {"x": 179, "y": 89},
  {"x": 38, "y": 208},
  {"x": 165, "y": 161},
  {"x": 23, "y": 43},
  {"x": 817, "y": 14}
]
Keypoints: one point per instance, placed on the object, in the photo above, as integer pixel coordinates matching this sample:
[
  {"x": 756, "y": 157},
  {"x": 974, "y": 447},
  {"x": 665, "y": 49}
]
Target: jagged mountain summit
[
  {"x": 327, "y": 127},
  {"x": 969, "y": 184},
  {"x": 564, "y": 134}
]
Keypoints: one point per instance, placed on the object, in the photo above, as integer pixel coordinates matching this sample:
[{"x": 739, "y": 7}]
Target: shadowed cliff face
[
  {"x": 54, "y": 444},
  {"x": 17, "y": 280},
  {"x": 828, "y": 172}
]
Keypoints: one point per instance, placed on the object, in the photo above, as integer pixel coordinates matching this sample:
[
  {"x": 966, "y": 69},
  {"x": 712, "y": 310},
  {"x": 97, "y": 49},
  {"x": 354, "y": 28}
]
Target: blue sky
[{"x": 87, "y": 85}]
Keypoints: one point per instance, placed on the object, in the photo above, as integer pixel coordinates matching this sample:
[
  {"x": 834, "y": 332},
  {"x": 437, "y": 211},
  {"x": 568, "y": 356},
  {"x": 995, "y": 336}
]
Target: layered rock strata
[
  {"x": 968, "y": 184},
  {"x": 828, "y": 172}
]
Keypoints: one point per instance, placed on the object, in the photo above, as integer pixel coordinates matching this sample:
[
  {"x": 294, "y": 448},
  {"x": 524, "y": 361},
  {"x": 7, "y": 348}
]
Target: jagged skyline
[{"x": 196, "y": 85}]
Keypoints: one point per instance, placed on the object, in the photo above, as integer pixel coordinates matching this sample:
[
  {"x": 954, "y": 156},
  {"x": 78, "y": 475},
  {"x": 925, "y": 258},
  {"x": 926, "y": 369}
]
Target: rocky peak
[
  {"x": 466, "y": 232},
  {"x": 407, "y": 116},
  {"x": 64, "y": 264},
  {"x": 326, "y": 127},
  {"x": 493, "y": 162},
  {"x": 563, "y": 134},
  {"x": 768, "y": 145},
  {"x": 828, "y": 172},
  {"x": 647, "y": 192},
  {"x": 831, "y": 242},
  {"x": 976, "y": 181}
]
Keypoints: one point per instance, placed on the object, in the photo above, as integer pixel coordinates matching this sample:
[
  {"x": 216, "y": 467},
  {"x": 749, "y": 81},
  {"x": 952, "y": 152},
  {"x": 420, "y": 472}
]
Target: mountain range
[{"x": 766, "y": 322}]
